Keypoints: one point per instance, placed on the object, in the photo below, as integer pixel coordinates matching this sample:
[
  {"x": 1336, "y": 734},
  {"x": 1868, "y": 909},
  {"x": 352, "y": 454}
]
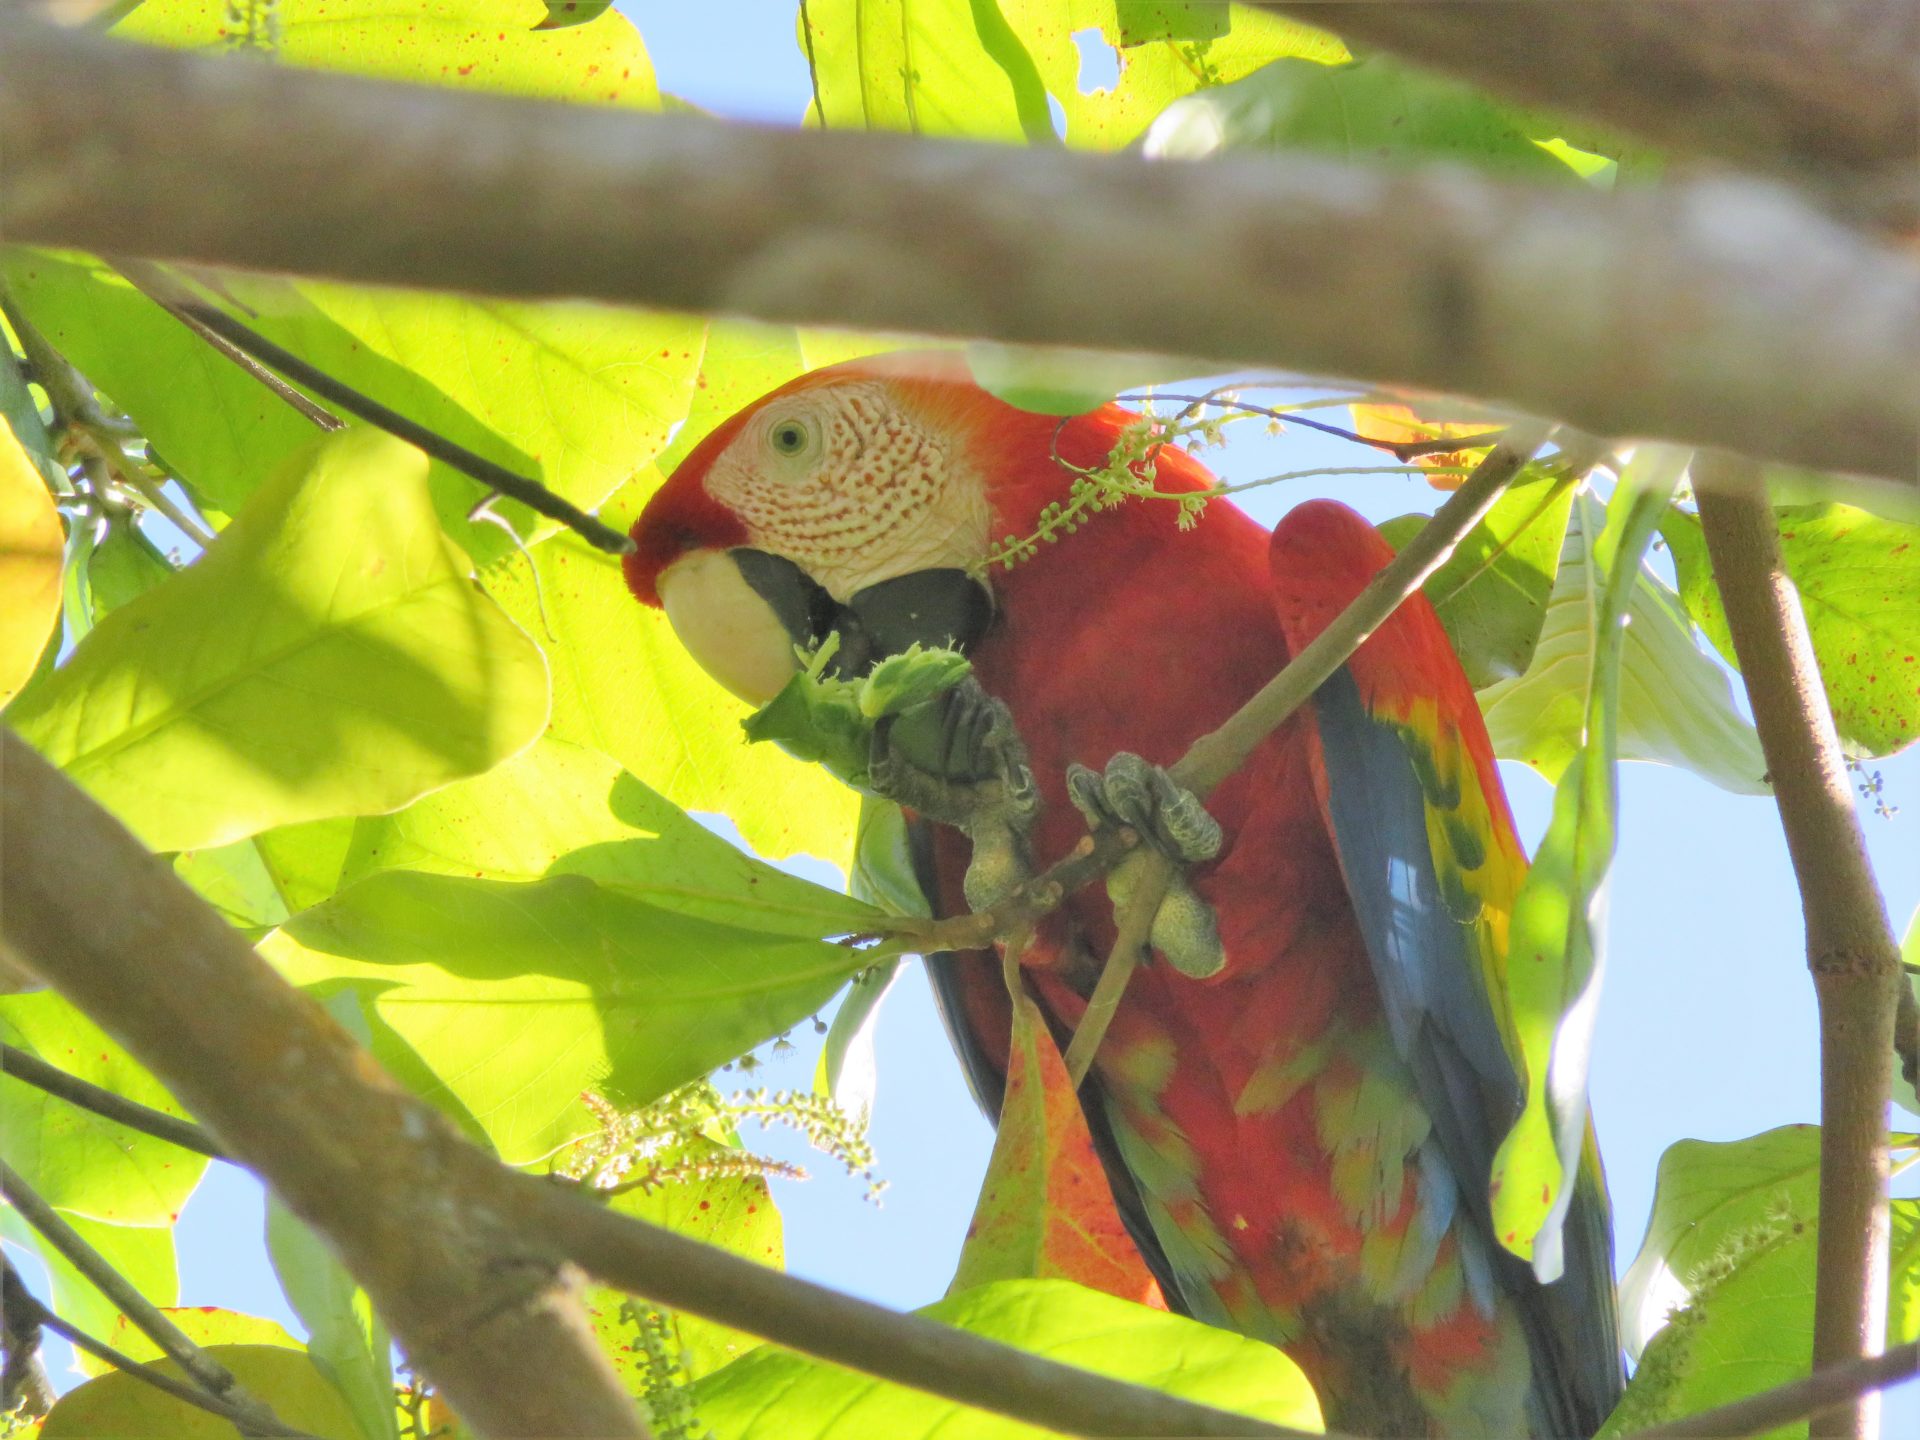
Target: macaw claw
[
  {"x": 958, "y": 759},
  {"x": 1172, "y": 820},
  {"x": 1145, "y": 797}
]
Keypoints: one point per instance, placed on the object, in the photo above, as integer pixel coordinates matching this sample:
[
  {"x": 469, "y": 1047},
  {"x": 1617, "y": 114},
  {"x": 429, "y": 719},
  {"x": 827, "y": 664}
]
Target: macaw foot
[
  {"x": 957, "y": 759},
  {"x": 1173, "y": 821}
]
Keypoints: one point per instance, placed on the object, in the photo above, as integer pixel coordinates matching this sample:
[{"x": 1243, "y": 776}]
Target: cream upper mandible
[{"x": 853, "y": 487}]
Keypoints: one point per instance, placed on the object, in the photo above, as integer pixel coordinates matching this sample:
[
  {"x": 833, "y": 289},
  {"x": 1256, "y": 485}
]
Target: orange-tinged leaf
[
  {"x": 1398, "y": 424},
  {"x": 30, "y": 543},
  {"x": 1045, "y": 1212}
]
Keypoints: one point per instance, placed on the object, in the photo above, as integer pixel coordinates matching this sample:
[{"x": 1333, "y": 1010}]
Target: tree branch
[
  {"x": 411, "y": 1208},
  {"x": 36, "y": 1072},
  {"x": 1717, "y": 311},
  {"x": 1850, "y": 946},
  {"x": 1819, "y": 92},
  {"x": 467, "y": 1261}
]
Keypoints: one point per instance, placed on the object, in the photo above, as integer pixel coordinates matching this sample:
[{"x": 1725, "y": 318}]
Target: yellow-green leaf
[
  {"x": 119, "y": 1407},
  {"x": 329, "y": 655},
  {"x": 31, "y": 539}
]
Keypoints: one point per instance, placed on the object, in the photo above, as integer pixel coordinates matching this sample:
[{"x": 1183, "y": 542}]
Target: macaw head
[{"x": 860, "y": 499}]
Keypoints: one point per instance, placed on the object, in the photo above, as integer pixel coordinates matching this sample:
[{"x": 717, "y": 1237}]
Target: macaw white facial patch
[{"x": 853, "y": 487}]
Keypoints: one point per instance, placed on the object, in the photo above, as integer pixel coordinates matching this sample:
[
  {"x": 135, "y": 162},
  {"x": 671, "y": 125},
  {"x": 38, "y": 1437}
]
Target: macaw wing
[{"x": 1408, "y": 788}]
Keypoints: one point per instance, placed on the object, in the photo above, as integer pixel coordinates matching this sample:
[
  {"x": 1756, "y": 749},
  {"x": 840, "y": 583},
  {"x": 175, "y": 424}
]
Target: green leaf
[
  {"x": 1859, "y": 582},
  {"x": 772, "y": 1393},
  {"x": 829, "y": 720},
  {"x": 348, "y": 1342},
  {"x": 563, "y": 13},
  {"x": 235, "y": 880},
  {"x": 1705, "y": 1193},
  {"x": 1675, "y": 705},
  {"x": 934, "y": 67},
  {"x": 624, "y": 685},
  {"x": 469, "y": 44},
  {"x": 1492, "y": 594},
  {"x": 735, "y": 1213},
  {"x": 1554, "y": 948},
  {"x": 78, "y": 1161},
  {"x": 32, "y": 539},
  {"x": 1164, "y": 52},
  {"x": 124, "y": 566},
  {"x": 987, "y": 69},
  {"x": 1367, "y": 110},
  {"x": 203, "y": 1325},
  {"x": 517, "y": 997},
  {"x": 1718, "y": 1304},
  {"x": 327, "y": 656},
  {"x": 556, "y": 809},
  {"x": 120, "y": 1407}
]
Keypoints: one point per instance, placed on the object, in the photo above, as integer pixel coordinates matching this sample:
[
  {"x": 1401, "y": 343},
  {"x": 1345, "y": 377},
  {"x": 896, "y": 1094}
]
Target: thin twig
[
  {"x": 1128, "y": 953},
  {"x": 32, "y": 1070},
  {"x": 154, "y": 282},
  {"x": 1214, "y": 756},
  {"x": 322, "y": 417},
  {"x": 1771, "y": 1409},
  {"x": 154, "y": 493},
  {"x": 143, "y": 1314},
  {"x": 1850, "y": 946},
  {"x": 1400, "y": 449}
]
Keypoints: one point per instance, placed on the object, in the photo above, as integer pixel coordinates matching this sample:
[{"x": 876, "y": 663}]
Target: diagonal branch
[
  {"x": 469, "y": 1262},
  {"x": 1850, "y": 946},
  {"x": 1716, "y": 311},
  {"x": 1772, "y": 1409}
]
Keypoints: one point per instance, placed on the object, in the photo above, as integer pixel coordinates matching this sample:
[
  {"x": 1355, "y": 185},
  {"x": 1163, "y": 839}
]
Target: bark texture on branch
[
  {"x": 1720, "y": 311},
  {"x": 1850, "y": 946},
  {"x": 1825, "y": 93},
  {"x": 482, "y": 1311},
  {"x": 470, "y": 1264}
]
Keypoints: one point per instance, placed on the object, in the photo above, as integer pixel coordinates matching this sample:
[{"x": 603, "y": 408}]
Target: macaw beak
[{"x": 744, "y": 615}]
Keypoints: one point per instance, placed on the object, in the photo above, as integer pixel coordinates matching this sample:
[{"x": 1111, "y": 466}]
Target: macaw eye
[{"x": 790, "y": 437}]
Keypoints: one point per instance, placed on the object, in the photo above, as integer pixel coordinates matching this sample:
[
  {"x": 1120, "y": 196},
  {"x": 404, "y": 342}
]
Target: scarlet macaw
[{"x": 1300, "y": 1129}]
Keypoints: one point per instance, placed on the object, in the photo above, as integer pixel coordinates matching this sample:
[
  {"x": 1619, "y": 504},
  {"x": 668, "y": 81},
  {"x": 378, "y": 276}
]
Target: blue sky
[{"x": 1707, "y": 1022}]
